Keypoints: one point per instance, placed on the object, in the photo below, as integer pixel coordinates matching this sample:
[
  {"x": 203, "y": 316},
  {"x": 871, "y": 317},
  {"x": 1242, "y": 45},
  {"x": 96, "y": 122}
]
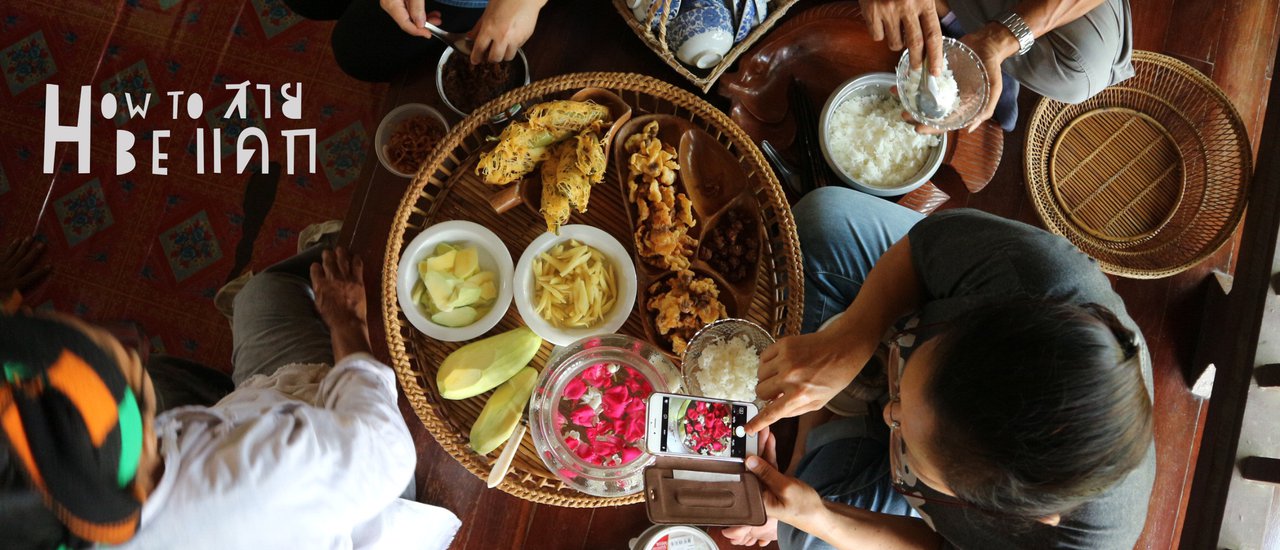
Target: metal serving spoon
[
  {"x": 460, "y": 42},
  {"x": 927, "y": 93}
]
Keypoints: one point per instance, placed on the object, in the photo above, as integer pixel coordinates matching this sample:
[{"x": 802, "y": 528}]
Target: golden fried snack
[
  {"x": 522, "y": 145},
  {"x": 663, "y": 216},
  {"x": 582, "y": 165},
  {"x": 568, "y": 116},
  {"x": 520, "y": 148},
  {"x": 683, "y": 304},
  {"x": 555, "y": 207}
]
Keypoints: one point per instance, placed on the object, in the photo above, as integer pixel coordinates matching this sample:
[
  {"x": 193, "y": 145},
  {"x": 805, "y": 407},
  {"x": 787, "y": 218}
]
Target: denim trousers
[{"x": 842, "y": 234}]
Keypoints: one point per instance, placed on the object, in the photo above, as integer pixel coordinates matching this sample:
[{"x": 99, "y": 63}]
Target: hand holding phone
[{"x": 699, "y": 427}]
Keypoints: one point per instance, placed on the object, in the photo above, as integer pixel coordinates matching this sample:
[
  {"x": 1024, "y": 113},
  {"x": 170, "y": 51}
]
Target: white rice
[
  {"x": 870, "y": 142},
  {"x": 728, "y": 370},
  {"x": 948, "y": 91}
]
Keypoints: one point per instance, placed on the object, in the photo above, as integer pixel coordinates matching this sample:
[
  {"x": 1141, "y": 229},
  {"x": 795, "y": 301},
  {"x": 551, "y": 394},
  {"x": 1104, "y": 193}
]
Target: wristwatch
[{"x": 1015, "y": 24}]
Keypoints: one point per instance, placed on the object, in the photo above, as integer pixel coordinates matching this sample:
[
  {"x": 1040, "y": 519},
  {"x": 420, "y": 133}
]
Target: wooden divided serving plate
[{"x": 446, "y": 188}]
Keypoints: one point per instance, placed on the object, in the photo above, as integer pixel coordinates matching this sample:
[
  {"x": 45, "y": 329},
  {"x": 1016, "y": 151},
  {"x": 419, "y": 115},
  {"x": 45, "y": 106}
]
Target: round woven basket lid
[
  {"x": 1117, "y": 174},
  {"x": 1149, "y": 177}
]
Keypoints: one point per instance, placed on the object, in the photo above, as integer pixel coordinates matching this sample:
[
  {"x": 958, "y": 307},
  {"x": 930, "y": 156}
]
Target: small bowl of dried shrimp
[
  {"x": 406, "y": 137},
  {"x": 576, "y": 284}
]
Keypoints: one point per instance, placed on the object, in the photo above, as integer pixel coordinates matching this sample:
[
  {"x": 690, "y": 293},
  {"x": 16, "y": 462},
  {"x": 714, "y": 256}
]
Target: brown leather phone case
[{"x": 688, "y": 502}]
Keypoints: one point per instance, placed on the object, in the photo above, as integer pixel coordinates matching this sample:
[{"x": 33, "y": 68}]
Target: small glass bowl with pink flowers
[{"x": 587, "y": 414}]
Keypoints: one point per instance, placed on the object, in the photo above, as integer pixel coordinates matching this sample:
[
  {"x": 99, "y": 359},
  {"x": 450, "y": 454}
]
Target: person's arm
[
  {"x": 505, "y": 26},
  {"x": 995, "y": 43},
  {"x": 802, "y": 373},
  {"x": 791, "y": 501}
]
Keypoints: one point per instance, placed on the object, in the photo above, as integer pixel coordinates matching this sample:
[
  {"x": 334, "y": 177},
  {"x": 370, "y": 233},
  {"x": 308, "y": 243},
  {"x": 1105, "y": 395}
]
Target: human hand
[
  {"x": 505, "y": 26},
  {"x": 410, "y": 15},
  {"x": 802, "y": 373},
  {"x": 993, "y": 44},
  {"x": 338, "y": 282},
  {"x": 762, "y": 535},
  {"x": 20, "y": 266},
  {"x": 786, "y": 498},
  {"x": 910, "y": 23}
]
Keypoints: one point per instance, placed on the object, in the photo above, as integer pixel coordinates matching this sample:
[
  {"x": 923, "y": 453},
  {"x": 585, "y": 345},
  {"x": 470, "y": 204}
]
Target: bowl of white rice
[
  {"x": 869, "y": 145},
  {"x": 962, "y": 89},
  {"x": 722, "y": 360}
]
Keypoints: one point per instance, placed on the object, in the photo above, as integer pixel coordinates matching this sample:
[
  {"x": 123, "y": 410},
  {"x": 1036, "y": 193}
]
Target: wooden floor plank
[{"x": 556, "y": 528}]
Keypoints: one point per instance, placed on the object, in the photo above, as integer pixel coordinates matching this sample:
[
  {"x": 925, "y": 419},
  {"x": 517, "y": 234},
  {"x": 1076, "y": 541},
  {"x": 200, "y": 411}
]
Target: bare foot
[{"x": 745, "y": 535}]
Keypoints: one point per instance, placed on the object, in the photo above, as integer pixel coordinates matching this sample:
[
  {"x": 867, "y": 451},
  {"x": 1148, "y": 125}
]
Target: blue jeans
[{"x": 842, "y": 234}]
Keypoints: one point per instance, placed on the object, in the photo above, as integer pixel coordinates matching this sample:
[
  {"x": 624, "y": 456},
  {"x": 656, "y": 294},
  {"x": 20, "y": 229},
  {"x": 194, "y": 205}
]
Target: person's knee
[
  {"x": 820, "y": 209},
  {"x": 353, "y": 55},
  {"x": 262, "y": 287},
  {"x": 1070, "y": 86}
]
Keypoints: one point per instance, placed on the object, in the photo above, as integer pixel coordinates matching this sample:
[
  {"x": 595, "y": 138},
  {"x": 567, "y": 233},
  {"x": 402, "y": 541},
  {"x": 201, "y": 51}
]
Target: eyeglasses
[{"x": 897, "y": 446}]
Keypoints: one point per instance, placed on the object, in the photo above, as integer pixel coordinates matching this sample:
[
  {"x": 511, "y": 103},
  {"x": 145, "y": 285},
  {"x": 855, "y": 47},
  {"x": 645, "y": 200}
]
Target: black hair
[{"x": 1039, "y": 406}]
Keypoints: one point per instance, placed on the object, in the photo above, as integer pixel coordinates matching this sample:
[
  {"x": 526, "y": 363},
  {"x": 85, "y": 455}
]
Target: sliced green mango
[
  {"x": 456, "y": 317},
  {"x": 440, "y": 289},
  {"x": 499, "y": 357},
  {"x": 442, "y": 263},
  {"x": 444, "y": 247},
  {"x": 465, "y": 295},
  {"x": 481, "y": 278},
  {"x": 467, "y": 263},
  {"x": 488, "y": 291},
  {"x": 418, "y": 289},
  {"x": 501, "y": 414}
]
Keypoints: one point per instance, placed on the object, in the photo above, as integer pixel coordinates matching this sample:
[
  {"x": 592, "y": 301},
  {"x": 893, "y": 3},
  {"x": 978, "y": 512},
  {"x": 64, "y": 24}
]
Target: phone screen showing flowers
[{"x": 693, "y": 426}]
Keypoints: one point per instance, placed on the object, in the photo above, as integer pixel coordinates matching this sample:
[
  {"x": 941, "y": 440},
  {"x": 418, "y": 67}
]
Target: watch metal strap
[{"x": 1020, "y": 29}]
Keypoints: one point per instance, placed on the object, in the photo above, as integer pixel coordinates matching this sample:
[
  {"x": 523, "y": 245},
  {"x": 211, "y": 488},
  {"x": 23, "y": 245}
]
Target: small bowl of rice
[
  {"x": 722, "y": 360},
  {"x": 869, "y": 145},
  {"x": 962, "y": 89}
]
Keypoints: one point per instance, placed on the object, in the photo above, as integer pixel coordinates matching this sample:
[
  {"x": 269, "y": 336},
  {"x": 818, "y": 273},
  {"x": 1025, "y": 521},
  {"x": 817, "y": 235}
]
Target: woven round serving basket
[
  {"x": 1149, "y": 177},
  {"x": 446, "y": 188}
]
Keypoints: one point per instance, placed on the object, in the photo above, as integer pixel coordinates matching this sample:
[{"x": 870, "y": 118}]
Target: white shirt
[{"x": 309, "y": 457}]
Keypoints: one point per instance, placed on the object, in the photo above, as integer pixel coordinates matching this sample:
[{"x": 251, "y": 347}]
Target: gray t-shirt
[{"x": 966, "y": 259}]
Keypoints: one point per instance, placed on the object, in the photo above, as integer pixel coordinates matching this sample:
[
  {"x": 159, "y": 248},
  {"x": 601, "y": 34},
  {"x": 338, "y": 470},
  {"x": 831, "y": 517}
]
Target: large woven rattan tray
[
  {"x": 1149, "y": 177},
  {"x": 445, "y": 188}
]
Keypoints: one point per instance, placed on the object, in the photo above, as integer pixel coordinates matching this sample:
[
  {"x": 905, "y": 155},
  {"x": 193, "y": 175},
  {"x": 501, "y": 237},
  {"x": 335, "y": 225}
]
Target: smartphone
[{"x": 684, "y": 425}]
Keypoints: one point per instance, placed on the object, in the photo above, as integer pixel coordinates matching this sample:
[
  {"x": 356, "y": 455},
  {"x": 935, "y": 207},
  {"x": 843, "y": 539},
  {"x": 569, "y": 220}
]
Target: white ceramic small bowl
[
  {"x": 392, "y": 120},
  {"x": 493, "y": 256},
  {"x": 624, "y": 271}
]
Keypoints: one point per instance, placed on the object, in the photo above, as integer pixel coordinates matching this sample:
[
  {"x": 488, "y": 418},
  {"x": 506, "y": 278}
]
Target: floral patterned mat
[{"x": 154, "y": 249}]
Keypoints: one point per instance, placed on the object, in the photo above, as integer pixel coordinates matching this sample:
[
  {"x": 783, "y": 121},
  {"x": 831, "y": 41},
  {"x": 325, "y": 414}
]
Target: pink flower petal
[
  {"x": 584, "y": 452},
  {"x": 596, "y": 375},
  {"x": 583, "y": 416},
  {"x": 637, "y": 405},
  {"x": 574, "y": 389},
  {"x": 629, "y": 454},
  {"x": 634, "y": 430}
]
